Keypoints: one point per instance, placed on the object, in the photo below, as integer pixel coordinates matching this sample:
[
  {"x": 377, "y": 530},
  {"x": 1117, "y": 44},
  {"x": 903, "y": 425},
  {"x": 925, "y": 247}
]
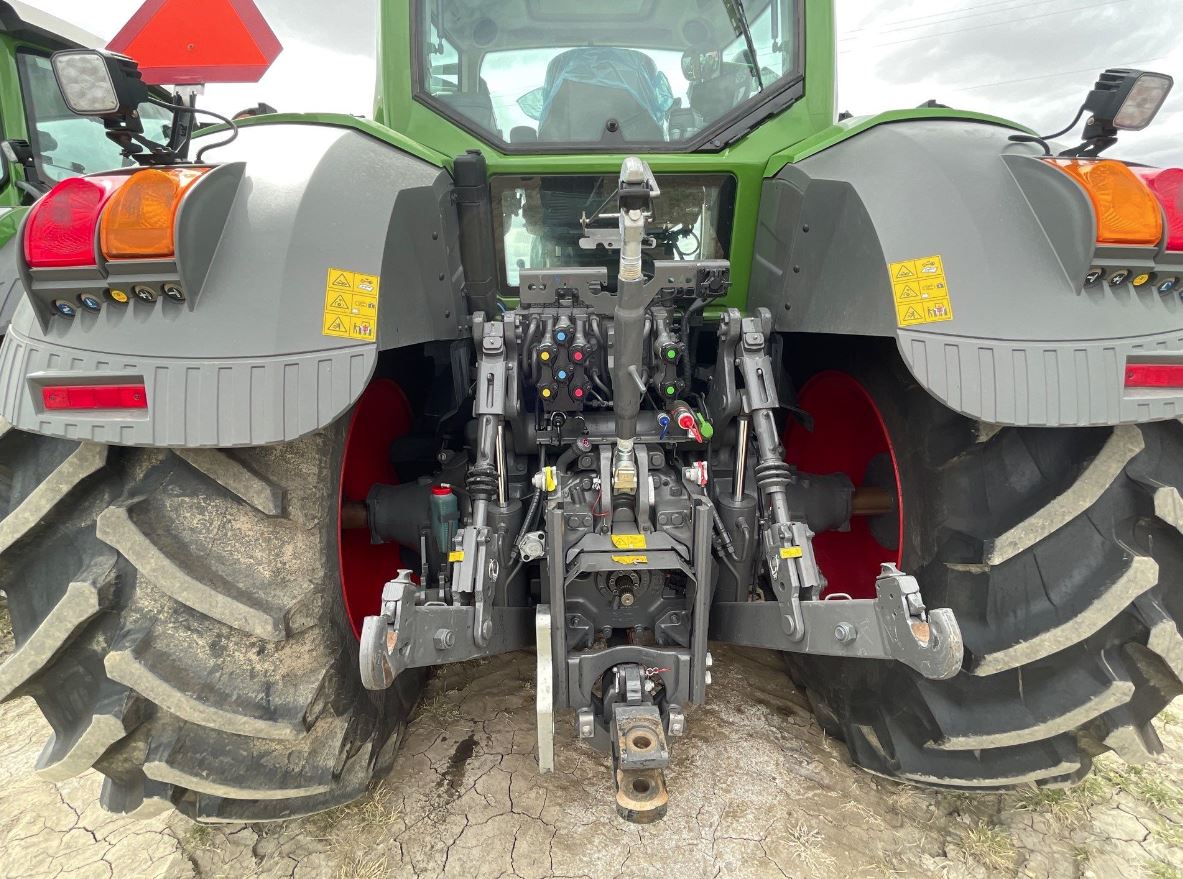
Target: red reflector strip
[
  {"x": 95, "y": 397},
  {"x": 1154, "y": 375}
]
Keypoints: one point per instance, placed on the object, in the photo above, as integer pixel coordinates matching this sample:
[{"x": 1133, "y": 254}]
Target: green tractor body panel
[{"x": 1014, "y": 237}]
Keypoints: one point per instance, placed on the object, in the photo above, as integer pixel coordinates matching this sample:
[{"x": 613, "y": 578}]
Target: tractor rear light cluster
[
  {"x": 139, "y": 222},
  {"x": 100, "y": 229},
  {"x": 60, "y": 231},
  {"x": 73, "y": 397},
  {"x": 1126, "y": 211},
  {"x": 1167, "y": 186}
]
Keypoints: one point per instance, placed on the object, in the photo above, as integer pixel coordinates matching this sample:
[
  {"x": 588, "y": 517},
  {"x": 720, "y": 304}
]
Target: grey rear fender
[
  {"x": 269, "y": 344},
  {"x": 1013, "y": 335}
]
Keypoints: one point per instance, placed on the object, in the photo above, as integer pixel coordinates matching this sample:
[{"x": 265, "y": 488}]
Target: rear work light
[
  {"x": 1127, "y": 212},
  {"x": 1167, "y": 186},
  {"x": 139, "y": 221},
  {"x": 60, "y": 232},
  {"x": 62, "y": 397}
]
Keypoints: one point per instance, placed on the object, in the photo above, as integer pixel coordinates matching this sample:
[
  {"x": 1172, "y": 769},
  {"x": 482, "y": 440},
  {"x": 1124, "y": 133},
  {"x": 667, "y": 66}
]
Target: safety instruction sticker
[
  {"x": 351, "y": 305},
  {"x": 921, "y": 291},
  {"x": 628, "y": 541},
  {"x": 631, "y": 559}
]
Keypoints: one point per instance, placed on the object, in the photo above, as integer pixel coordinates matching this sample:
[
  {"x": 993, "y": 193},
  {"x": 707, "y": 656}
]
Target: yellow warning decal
[
  {"x": 456, "y": 555},
  {"x": 921, "y": 291},
  {"x": 351, "y": 305},
  {"x": 628, "y": 541},
  {"x": 631, "y": 559},
  {"x": 790, "y": 552}
]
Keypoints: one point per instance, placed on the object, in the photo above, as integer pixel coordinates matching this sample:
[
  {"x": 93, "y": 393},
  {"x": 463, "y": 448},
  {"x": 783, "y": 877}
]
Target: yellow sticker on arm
[
  {"x": 790, "y": 552},
  {"x": 456, "y": 555},
  {"x": 351, "y": 305}
]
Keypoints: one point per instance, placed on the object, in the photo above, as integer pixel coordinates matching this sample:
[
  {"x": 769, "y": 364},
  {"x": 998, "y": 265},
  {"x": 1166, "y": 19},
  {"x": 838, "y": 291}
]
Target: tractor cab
[
  {"x": 670, "y": 76},
  {"x": 527, "y": 76}
]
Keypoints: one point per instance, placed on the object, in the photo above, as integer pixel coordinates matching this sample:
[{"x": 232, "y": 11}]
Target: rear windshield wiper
[{"x": 739, "y": 20}]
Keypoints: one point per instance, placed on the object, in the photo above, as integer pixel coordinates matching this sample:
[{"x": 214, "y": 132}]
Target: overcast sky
[{"x": 1029, "y": 60}]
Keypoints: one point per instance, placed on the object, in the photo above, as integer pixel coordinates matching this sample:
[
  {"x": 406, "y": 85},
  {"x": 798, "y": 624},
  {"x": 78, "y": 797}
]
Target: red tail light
[
  {"x": 1154, "y": 375},
  {"x": 62, "y": 397},
  {"x": 1167, "y": 186},
  {"x": 61, "y": 229}
]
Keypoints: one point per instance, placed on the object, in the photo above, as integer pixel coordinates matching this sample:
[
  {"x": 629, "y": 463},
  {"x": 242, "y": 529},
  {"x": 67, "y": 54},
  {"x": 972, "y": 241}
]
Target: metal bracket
[
  {"x": 893, "y": 625},
  {"x": 410, "y": 635},
  {"x": 544, "y": 691},
  {"x": 793, "y": 572},
  {"x": 640, "y": 753}
]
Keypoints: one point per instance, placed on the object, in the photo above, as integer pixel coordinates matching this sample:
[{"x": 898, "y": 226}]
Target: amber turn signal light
[
  {"x": 139, "y": 223},
  {"x": 1127, "y": 212}
]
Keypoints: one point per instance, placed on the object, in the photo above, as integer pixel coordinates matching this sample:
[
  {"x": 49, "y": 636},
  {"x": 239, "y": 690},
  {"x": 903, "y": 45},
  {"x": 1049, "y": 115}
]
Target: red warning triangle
[{"x": 189, "y": 42}]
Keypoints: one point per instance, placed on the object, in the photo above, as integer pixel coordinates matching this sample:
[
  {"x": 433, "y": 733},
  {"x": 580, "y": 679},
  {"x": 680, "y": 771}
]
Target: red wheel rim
[
  {"x": 381, "y": 416},
  {"x": 848, "y": 434}
]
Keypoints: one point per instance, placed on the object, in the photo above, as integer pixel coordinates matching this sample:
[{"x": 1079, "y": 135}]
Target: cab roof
[{"x": 28, "y": 23}]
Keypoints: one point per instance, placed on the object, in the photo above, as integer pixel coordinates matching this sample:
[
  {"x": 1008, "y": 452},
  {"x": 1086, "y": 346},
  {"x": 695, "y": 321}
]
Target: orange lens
[
  {"x": 1127, "y": 211},
  {"x": 139, "y": 225}
]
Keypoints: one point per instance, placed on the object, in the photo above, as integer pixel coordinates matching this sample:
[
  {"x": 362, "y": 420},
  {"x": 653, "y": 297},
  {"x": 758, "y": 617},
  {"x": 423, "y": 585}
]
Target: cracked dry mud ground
[{"x": 756, "y": 790}]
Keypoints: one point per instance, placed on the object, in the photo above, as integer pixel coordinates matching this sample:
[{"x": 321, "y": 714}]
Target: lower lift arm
[{"x": 893, "y": 625}]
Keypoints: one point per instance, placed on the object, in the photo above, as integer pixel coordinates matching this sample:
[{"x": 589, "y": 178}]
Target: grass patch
[
  {"x": 989, "y": 845},
  {"x": 373, "y": 810},
  {"x": 1063, "y": 806},
  {"x": 362, "y": 867},
  {"x": 1168, "y": 834},
  {"x": 1144, "y": 783},
  {"x": 198, "y": 836},
  {"x": 440, "y": 710},
  {"x": 1082, "y": 854},
  {"x": 806, "y": 844},
  {"x": 1162, "y": 870}
]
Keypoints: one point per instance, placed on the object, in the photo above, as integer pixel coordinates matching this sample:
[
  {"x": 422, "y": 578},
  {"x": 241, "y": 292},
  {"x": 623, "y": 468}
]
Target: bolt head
[{"x": 844, "y": 633}]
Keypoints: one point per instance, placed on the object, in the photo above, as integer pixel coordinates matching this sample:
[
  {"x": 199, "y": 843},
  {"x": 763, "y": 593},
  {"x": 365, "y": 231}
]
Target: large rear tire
[
  {"x": 1060, "y": 552},
  {"x": 179, "y": 620}
]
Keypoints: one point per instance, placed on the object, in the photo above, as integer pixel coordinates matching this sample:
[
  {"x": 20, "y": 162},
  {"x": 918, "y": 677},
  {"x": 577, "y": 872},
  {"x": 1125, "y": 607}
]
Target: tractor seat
[
  {"x": 587, "y": 87},
  {"x": 476, "y": 107}
]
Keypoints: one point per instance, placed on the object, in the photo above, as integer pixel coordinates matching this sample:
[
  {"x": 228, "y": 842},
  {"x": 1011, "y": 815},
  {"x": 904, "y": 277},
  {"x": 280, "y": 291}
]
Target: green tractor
[
  {"x": 603, "y": 339},
  {"x": 43, "y": 142}
]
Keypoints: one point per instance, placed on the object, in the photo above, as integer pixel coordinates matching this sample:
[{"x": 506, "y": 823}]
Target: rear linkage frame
[{"x": 629, "y": 698}]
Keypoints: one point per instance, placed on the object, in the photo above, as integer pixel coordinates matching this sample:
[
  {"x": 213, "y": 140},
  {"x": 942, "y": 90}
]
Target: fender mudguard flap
[
  {"x": 1025, "y": 343},
  {"x": 246, "y": 361}
]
